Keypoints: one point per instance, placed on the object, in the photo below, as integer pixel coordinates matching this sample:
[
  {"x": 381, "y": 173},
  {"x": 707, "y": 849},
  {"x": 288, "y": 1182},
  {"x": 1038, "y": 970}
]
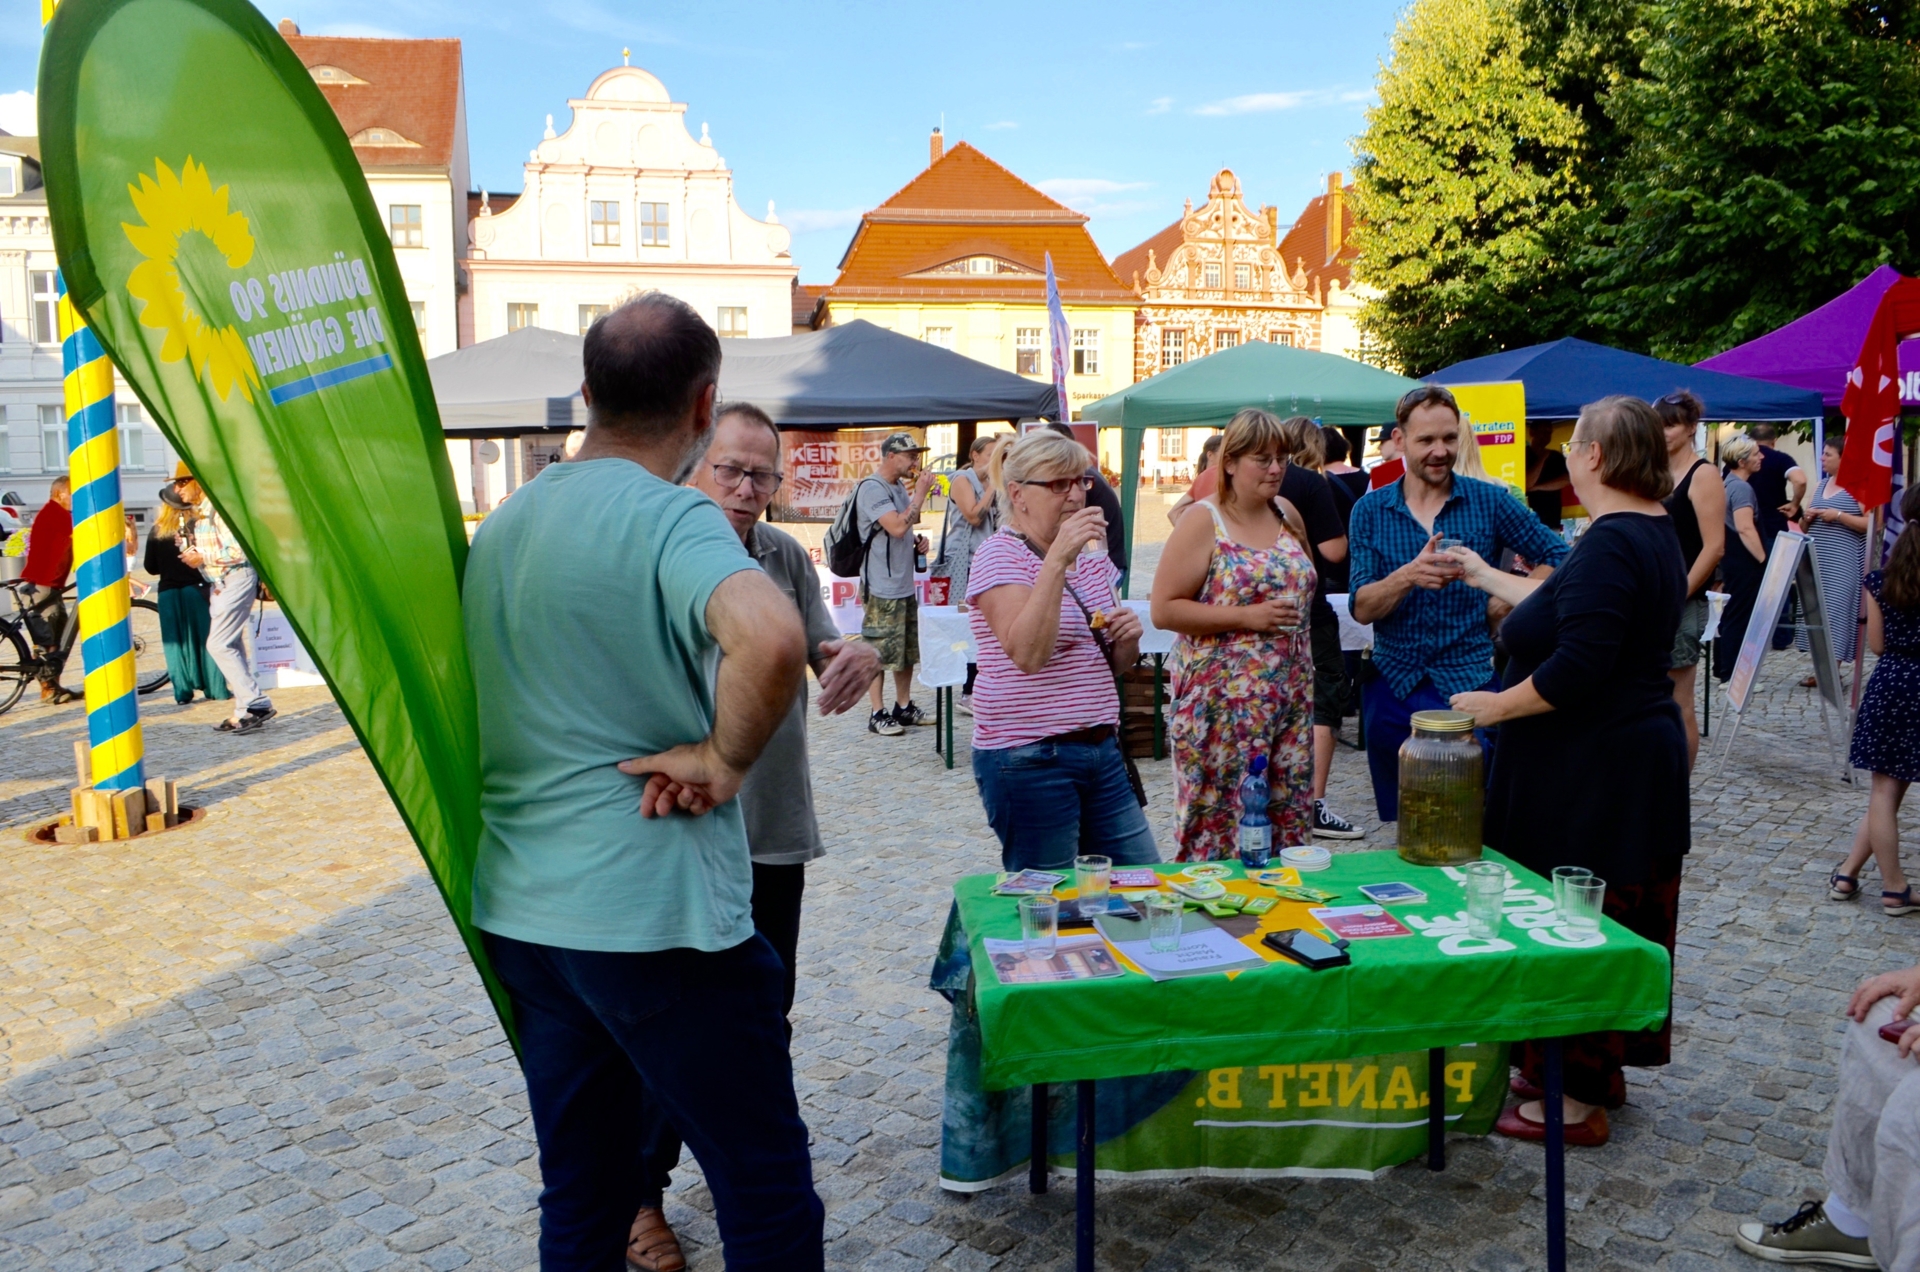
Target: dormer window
[
  {"x": 381, "y": 137},
  {"x": 333, "y": 75},
  {"x": 975, "y": 266}
]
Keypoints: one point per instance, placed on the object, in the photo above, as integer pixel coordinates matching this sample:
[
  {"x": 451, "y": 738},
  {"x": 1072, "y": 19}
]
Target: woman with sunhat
[{"x": 182, "y": 598}]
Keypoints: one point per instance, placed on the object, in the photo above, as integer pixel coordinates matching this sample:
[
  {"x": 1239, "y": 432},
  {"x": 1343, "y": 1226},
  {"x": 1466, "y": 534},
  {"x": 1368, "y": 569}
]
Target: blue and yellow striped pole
[{"x": 100, "y": 557}]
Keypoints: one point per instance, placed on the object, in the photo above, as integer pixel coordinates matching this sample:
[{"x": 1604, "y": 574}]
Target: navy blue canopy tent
[{"x": 1564, "y": 375}]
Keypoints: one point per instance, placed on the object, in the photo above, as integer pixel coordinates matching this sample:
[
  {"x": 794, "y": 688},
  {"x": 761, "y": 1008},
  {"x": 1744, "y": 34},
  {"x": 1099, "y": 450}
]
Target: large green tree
[
  {"x": 1465, "y": 190},
  {"x": 1771, "y": 158}
]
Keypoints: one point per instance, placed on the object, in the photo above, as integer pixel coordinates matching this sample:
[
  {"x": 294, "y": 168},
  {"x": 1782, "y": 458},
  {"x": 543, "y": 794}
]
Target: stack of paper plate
[{"x": 1306, "y": 858}]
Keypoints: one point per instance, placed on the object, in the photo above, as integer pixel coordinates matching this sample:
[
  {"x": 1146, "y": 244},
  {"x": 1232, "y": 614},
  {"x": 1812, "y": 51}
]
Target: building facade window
[
  {"x": 1086, "y": 351},
  {"x": 46, "y": 307},
  {"x": 1243, "y": 277},
  {"x": 1283, "y": 338},
  {"x": 519, "y": 316},
  {"x": 133, "y": 436},
  {"x": 603, "y": 224},
  {"x": 938, "y": 337},
  {"x": 1026, "y": 350},
  {"x": 9, "y": 177},
  {"x": 733, "y": 322},
  {"x": 1225, "y": 340},
  {"x": 403, "y": 222},
  {"x": 53, "y": 439},
  {"x": 1173, "y": 347},
  {"x": 589, "y": 314},
  {"x": 653, "y": 225},
  {"x": 419, "y": 308},
  {"x": 1210, "y": 274},
  {"x": 1173, "y": 443}
]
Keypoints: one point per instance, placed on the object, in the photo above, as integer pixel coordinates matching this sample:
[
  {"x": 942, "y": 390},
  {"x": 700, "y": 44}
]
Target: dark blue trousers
[
  {"x": 702, "y": 1034},
  {"x": 1389, "y": 720}
]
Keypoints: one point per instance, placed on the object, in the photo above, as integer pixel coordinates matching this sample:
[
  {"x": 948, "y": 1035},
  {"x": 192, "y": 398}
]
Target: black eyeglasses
[
  {"x": 1059, "y": 485},
  {"x": 765, "y": 481}
]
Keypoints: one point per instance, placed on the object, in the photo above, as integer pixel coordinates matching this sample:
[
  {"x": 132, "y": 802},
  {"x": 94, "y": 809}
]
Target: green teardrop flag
[{"x": 216, "y": 232}]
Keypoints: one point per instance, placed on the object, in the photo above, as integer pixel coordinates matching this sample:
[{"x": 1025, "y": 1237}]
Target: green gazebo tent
[{"x": 1207, "y": 392}]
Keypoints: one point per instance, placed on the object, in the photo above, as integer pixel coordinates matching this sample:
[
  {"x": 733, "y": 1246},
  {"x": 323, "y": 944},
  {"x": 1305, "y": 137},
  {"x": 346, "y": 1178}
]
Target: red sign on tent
[{"x": 1871, "y": 401}]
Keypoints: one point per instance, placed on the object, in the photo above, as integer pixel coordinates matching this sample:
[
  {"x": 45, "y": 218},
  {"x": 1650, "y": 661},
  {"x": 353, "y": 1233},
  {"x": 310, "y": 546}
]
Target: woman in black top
[
  {"x": 1698, "y": 506},
  {"x": 182, "y": 599},
  {"x": 1590, "y": 768}
]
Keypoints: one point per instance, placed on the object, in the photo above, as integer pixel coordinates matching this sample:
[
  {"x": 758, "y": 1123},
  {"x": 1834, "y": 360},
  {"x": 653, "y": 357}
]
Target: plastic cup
[
  {"x": 1092, "y": 877},
  {"x": 1585, "y": 903},
  {"x": 1039, "y": 925},
  {"x": 1486, "y": 892},
  {"x": 1560, "y": 876},
  {"x": 1163, "y": 922}
]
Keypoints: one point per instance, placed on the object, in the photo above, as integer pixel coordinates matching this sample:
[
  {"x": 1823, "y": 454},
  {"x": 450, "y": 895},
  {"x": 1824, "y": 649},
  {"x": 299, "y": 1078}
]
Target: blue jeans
[
  {"x": 1052, "y": 801},
  {"x": 1389, "y": 721},
  {"x": 703, "y": 1034}
]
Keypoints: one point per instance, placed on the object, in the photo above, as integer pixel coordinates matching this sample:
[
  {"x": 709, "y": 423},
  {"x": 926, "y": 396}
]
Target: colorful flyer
[{"x": 1358, "y": 922}]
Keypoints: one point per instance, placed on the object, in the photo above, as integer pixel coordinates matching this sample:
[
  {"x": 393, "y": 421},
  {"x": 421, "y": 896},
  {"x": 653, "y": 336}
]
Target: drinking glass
[
  {"x": 1300, "y": 601},
  {"x": 1585, "y": 898},
  {"x": 1561, "y": 874},
  {"x": 1486, "y": 891},
  {"x": 1163, "y": 922},
  {"x": 1448, "y": 545},
  {"x": 1039, "y": 924},
  {"x": 1091, "y": 876}
]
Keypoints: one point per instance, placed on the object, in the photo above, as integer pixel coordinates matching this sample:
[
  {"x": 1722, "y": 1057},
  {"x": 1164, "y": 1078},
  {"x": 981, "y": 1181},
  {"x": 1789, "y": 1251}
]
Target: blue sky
[{"x": 1121, "y": 109}]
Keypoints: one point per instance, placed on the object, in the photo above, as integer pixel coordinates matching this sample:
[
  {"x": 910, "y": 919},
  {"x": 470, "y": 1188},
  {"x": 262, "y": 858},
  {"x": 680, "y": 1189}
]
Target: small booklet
[
  {"x": 1203, "y": 948},
  {"x": 1392, "y": 893},
  {"x": 1074, "y": 958},
  {"x": 1358, "y": 922},
  {"x": 1029, "y": 883},
  {"x": 1134, "y": 879}
]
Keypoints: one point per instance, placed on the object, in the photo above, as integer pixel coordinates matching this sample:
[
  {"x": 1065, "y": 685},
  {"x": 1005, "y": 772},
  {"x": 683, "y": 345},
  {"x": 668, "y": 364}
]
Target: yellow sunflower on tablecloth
[{"x": 170, "y": 208}]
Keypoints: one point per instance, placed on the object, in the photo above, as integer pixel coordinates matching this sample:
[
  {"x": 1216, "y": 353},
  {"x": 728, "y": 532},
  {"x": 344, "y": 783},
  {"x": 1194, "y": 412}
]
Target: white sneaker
[{"x": 965, "y": 703}]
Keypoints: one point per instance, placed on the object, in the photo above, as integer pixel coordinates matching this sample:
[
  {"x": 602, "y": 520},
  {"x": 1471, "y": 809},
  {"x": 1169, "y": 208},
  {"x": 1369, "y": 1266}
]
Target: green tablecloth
[{"x": 1535, "y": 979}]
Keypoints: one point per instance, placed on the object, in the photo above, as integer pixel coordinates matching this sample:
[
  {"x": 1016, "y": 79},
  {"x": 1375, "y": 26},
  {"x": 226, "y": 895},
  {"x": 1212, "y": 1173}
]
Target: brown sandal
[{"x": 651, "y": 1245}]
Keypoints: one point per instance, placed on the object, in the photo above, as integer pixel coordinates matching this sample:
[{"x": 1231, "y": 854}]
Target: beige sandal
[{"x": 651, "y": 1245}]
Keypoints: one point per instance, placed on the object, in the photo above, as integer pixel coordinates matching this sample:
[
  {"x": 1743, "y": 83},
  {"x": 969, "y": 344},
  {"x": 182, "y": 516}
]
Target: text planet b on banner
[{"x": 216, "y": 231}]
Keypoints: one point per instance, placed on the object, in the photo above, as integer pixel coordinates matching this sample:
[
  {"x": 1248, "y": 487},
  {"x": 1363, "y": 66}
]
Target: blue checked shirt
[{"x": 1441, "y": 635}]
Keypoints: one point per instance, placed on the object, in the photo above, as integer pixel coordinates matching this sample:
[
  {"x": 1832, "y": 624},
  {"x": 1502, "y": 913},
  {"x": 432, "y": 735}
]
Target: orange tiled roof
[
  {"x": 409, "y": 87},
  {"x": 1134, "y": 259},
  {"x": 806, "y": 302},
  {"x": 495, "y": 200},
  {"x": 965, "y": 204},
  {"x": 1307, "y": 242}
]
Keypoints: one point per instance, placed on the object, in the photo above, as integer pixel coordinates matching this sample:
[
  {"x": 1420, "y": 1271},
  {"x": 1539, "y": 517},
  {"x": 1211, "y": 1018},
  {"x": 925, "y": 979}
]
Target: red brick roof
[
  {"x": 806, "y": 302},
  {"x": 495, "y": 200},
  {"x": 1307, "y": 241},
  {"x": 967, "y": 205},
  {"x": 1134, "y": 259},
  {"x": 411, "y": 88}
]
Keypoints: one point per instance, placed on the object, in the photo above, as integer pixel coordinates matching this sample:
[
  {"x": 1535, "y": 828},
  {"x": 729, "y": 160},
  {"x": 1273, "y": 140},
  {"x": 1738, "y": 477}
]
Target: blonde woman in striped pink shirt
[{"x": 1051, "y": 632}]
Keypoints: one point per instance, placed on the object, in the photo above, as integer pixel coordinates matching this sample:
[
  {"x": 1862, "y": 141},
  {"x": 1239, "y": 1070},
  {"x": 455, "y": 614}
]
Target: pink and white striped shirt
[{"x": 1075, "y": 689}]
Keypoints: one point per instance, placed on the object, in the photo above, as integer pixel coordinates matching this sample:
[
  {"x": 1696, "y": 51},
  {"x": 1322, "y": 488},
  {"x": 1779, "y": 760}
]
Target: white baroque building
[{"x": 626, "y": 200}]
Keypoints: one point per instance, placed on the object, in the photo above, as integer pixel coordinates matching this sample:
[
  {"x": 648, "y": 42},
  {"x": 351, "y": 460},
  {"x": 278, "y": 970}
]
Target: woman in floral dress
[{"x": 1235, "y": 585}]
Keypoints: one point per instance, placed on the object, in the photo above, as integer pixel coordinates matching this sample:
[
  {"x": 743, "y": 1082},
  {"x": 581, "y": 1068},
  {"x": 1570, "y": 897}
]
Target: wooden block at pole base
[
  {"x": 76, "y": 835},
  {"x": 82, "y": 762},
  {"x": 170, "y": 797},
  {"x": 83, "y": 806},
  {"x": 99, "y": 806},
  {"x": 156, "y": 821}
]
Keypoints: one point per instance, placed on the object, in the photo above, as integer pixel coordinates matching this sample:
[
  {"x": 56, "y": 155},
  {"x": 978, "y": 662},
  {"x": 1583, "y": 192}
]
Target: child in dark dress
[{"x": 1885, "y": 742}]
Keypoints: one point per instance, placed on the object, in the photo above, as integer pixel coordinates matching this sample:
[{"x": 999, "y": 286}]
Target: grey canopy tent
[{"x": 850, "y": 376}]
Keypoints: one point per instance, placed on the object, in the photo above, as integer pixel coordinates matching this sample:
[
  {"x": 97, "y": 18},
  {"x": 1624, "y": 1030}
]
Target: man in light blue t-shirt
[{"x": 612, "y": 880}]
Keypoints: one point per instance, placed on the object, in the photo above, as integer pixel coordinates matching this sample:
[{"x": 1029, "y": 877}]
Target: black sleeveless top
[{"x": 1685, "y": 523}]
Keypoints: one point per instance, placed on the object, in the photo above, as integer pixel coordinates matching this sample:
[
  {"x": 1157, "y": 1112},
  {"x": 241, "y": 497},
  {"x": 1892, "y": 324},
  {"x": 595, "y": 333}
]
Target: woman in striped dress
[{"x": 1839, "y": 533}]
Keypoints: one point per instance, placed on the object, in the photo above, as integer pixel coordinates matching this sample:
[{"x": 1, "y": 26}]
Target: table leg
[
  {"x": 1556, "y": 1162},
  {"x": 949, "y": 726},
  {"x": 1159, "y": 716},
  {"x": 1083, "y": 1183},
  {"x": 1437, "y": 1108},
  {"x": 1037, "y": 1167},
  {"x": 1706, "y": 690},
  {"x": 939, "y": 699}
]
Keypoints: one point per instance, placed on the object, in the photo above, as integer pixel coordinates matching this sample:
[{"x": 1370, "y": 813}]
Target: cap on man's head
[{"x": 899, "y": 444}]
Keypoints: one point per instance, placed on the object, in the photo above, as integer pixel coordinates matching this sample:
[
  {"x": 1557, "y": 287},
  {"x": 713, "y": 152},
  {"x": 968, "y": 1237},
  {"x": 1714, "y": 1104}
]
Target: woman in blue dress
[{"x": 1885, "y": 743}]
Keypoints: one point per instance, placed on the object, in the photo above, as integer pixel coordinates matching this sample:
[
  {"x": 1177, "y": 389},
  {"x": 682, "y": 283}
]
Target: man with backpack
[{"x": 884, "y": 515}]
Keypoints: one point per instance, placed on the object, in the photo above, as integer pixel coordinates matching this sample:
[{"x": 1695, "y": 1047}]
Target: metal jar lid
[{"x": 1442, "y": 721}]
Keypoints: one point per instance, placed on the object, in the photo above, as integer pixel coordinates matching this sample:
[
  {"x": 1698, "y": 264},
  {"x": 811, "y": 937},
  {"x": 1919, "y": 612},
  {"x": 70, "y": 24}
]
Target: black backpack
[{"x": 845, "y": 550}]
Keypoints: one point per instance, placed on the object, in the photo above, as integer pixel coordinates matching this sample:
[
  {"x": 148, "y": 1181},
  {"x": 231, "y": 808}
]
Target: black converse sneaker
[
  {"x": 911, "y": 715},
  {"x": 1330, "y": 825},
  {"x": 884, "y": 723}
]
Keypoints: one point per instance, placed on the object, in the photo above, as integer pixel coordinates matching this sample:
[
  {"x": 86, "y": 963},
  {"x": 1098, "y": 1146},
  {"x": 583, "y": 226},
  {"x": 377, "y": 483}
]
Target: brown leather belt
[{"x": 1082, "y": 737}]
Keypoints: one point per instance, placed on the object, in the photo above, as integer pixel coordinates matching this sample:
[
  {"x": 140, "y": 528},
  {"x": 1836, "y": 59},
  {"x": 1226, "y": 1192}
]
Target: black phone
[{"x": 1307, "y": 949}]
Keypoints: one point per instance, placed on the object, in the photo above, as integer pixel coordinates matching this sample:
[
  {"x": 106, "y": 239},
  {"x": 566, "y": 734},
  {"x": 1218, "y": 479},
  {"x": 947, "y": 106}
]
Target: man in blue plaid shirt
[{"x": 1431, "y": 635}]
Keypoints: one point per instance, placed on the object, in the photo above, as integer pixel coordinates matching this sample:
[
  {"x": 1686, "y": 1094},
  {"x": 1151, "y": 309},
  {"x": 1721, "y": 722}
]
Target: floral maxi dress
[{"x": 1240, "y": 694}]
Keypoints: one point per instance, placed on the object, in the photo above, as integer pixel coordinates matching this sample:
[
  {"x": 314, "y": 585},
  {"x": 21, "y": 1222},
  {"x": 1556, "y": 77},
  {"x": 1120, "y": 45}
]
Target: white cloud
[
  {"x": 1290, "y": 99},
  {"x": 1160, "y": 106},
  {"x": 1077, "y": 190},
  {"x": 804, "y": 220},
  {"x": 1002, "y": 125},
  {"x": 17, "y": 113}
]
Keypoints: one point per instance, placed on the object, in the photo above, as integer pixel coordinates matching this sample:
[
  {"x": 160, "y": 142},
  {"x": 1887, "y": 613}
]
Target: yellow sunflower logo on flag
[{"x": 170, "y": 208}]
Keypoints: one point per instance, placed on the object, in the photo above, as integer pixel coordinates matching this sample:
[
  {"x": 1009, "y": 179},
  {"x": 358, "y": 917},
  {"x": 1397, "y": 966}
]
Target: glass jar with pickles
[{"x": 1442, "y": 790}]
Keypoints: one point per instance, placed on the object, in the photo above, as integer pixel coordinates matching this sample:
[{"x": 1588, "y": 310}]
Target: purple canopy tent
[{"x": 1817, "y": 350}]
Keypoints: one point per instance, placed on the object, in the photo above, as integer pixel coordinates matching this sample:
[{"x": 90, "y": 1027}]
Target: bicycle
[{"x": 21, "y": 664}]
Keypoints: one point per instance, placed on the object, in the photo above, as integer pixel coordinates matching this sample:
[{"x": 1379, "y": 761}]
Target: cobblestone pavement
[{"x": 256, "y": 1043}]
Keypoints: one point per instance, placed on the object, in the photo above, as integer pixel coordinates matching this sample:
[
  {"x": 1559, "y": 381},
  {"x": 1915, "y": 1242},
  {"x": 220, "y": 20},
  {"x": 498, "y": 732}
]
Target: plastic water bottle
[{"x": 1256, "y": 830}]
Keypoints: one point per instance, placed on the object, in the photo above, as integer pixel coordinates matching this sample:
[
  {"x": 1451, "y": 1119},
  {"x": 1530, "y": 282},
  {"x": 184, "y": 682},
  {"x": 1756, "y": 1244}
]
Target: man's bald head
[{"x": 647, "y": 364}]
